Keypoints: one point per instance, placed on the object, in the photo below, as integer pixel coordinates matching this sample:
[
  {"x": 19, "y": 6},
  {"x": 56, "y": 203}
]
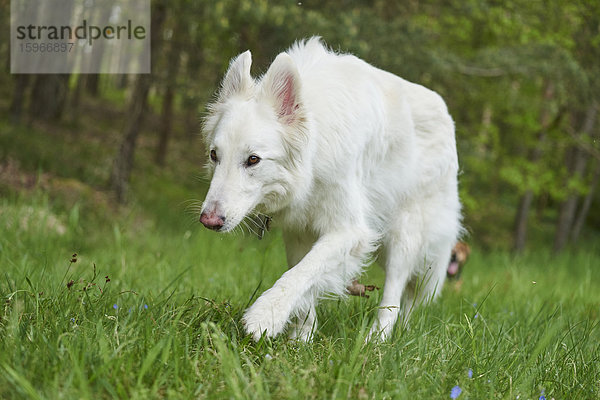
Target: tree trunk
[
  {"x": 75, "y": 100},
  {"x": 521, "y": 220},
  {"x": 586, "y": 204},
  {"x": 48, "y": 97},
  {"x": 524, "y": 208},
  {"x": 49, "y": 93},
  {"x": 92, "y": 81},
  {"x": 166, "y": 125},
  {"x": 566, "y": 217},
  {"x": 123, "y": 162},
  {"x": 576, "y": 168},
  {"x": 18, "y": 100}
]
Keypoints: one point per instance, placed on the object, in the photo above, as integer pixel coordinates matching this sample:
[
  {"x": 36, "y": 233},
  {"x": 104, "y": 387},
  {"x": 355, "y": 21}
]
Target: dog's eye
[
  {"x": 252, "y": 160},
  {"x": 213, "y": 155}
]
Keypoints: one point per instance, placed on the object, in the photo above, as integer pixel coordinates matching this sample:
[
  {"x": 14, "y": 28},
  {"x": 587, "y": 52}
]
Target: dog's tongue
[{"x": 453, "y": 268}]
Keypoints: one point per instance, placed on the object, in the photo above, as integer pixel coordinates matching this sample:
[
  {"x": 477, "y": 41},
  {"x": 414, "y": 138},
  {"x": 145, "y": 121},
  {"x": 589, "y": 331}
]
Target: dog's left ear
[
  {"x": 237, "y": 79},
  {"x": 281, "y": 85}
]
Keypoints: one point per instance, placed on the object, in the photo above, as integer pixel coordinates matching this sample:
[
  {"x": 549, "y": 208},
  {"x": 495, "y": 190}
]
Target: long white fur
[{"x": 355, "y": 162}]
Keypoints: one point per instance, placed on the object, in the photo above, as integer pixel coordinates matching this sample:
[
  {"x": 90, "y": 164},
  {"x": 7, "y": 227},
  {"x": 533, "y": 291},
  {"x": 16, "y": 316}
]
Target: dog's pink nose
[{"x": 212, "y": 221}]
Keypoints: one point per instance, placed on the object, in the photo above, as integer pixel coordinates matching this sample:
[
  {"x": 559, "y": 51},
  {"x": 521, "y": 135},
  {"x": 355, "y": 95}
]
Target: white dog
[{"x": 351, "y": 161}]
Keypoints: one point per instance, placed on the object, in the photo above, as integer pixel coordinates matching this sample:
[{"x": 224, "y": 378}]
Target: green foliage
[{"x": 493, "y": 62}]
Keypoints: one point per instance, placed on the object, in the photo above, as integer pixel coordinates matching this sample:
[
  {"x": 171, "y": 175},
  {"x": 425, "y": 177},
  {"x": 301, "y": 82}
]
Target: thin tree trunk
[
  {"x": 166, "y": 123},
  {"x": 521, "y": 220},
  {"x": 75, "y": 100},
  {"x": 586, "y": 205},
  {"x": 524, "y": 208},
  {"x": 18, "y": 100},
  {"x": 568, "y": 208},
  {"x": 91, "y": 84},
  {"x": 49, "y": 93},
  {"x": 92, "y": 81},
  {"x": 165, "y": 126},
  {"x": 49, "y": 96},
  {"x": 566, "y": 217},
  {"x": 123, "y": 162}
]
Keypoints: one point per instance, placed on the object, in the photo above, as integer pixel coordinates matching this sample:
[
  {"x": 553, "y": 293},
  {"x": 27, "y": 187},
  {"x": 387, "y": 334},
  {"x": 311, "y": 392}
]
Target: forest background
[
  {"x": 110, "y": 287},
  {"x": 520, "y": 79}
]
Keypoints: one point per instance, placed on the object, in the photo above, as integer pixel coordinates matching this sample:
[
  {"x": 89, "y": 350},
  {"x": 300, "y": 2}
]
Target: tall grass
[{"x": 145, "y": 312}]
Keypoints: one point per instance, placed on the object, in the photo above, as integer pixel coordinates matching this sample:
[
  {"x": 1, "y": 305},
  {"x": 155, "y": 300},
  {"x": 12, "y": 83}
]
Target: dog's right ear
[
  {"x": 281, "y": 85},
  {"x": 237, "y": 79}
]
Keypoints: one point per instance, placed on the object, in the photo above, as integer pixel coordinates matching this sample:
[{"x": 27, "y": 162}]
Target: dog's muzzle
[{"x": 212, "y": 220}]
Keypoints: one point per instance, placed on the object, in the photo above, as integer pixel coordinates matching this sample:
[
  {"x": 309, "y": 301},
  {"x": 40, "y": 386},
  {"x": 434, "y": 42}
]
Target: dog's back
[{"x": 394, "y": 135}]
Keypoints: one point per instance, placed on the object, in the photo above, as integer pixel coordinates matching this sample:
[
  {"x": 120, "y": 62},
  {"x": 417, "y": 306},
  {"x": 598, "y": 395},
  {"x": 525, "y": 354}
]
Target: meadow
[{"x": 141, "y": 302}]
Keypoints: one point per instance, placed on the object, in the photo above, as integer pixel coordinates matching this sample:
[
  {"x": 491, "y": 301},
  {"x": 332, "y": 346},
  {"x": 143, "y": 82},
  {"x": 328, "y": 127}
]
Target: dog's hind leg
[
  {"x": 397, "y": 275},
  {"x": 426, "y": 286},
  {"x": 402, "y": 252},
  {"x": 304, "y": 325}
]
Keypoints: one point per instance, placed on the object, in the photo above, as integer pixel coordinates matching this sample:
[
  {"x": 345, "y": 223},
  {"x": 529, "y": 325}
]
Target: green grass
[
  {"x": 151, "y": 307},
  {"x": 166, "y": 325}
]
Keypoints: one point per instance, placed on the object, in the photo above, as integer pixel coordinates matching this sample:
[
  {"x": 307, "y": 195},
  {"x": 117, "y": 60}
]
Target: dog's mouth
[{"x": 453, "y": 266}]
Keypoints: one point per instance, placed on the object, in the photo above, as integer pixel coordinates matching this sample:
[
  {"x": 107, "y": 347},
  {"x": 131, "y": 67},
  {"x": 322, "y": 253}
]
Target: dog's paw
[
  {"x": 303, "y": 334},
  {"x": 253, "y": 328},
  {"x": 382, "y": 328},
  {"x": 264, "y": 318},
  {"x": 302, "y": 329},
  {"x": 378, "y": 334}
]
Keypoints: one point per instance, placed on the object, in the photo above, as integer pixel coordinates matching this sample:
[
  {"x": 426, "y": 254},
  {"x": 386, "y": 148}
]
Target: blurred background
[{"x": 521, "y": 79}]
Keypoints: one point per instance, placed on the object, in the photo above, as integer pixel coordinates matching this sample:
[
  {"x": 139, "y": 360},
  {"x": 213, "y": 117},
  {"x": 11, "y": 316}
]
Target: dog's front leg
[{"x": 335, "y": 259}]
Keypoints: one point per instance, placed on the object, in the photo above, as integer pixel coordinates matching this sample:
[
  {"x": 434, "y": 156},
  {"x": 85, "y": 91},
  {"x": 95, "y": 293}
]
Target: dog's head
[
  {"x": 459, "y": 256},
  {"x": 255, "y": 134}
]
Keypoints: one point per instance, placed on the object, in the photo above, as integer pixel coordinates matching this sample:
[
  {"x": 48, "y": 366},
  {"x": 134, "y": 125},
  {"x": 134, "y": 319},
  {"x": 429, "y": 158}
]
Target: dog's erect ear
[
  {"x": 237, "y": 79},
  {"x": 282, "y": 85}
]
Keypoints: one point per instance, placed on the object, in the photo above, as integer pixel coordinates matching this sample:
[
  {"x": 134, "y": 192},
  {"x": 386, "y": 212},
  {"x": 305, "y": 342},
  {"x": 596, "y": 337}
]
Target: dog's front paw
[
  {"x": 379, "y": 333},
  {"x": 266, "y": 318}
]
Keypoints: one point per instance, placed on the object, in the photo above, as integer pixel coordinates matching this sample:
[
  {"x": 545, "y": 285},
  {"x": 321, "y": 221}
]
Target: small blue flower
[
  {"x": 73, "y": 320},
  {"x": 455, "y": 392},
  {"x": 145, "y": 306},
  {"x": 542, "y": 397},
  {"x": 115, "y": 306},
  {"x": 470, "y": 373},
  {"x": 476, "y": 315}
]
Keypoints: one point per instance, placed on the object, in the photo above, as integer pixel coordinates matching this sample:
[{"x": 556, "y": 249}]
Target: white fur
[{"x": 355, "y": 162}]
